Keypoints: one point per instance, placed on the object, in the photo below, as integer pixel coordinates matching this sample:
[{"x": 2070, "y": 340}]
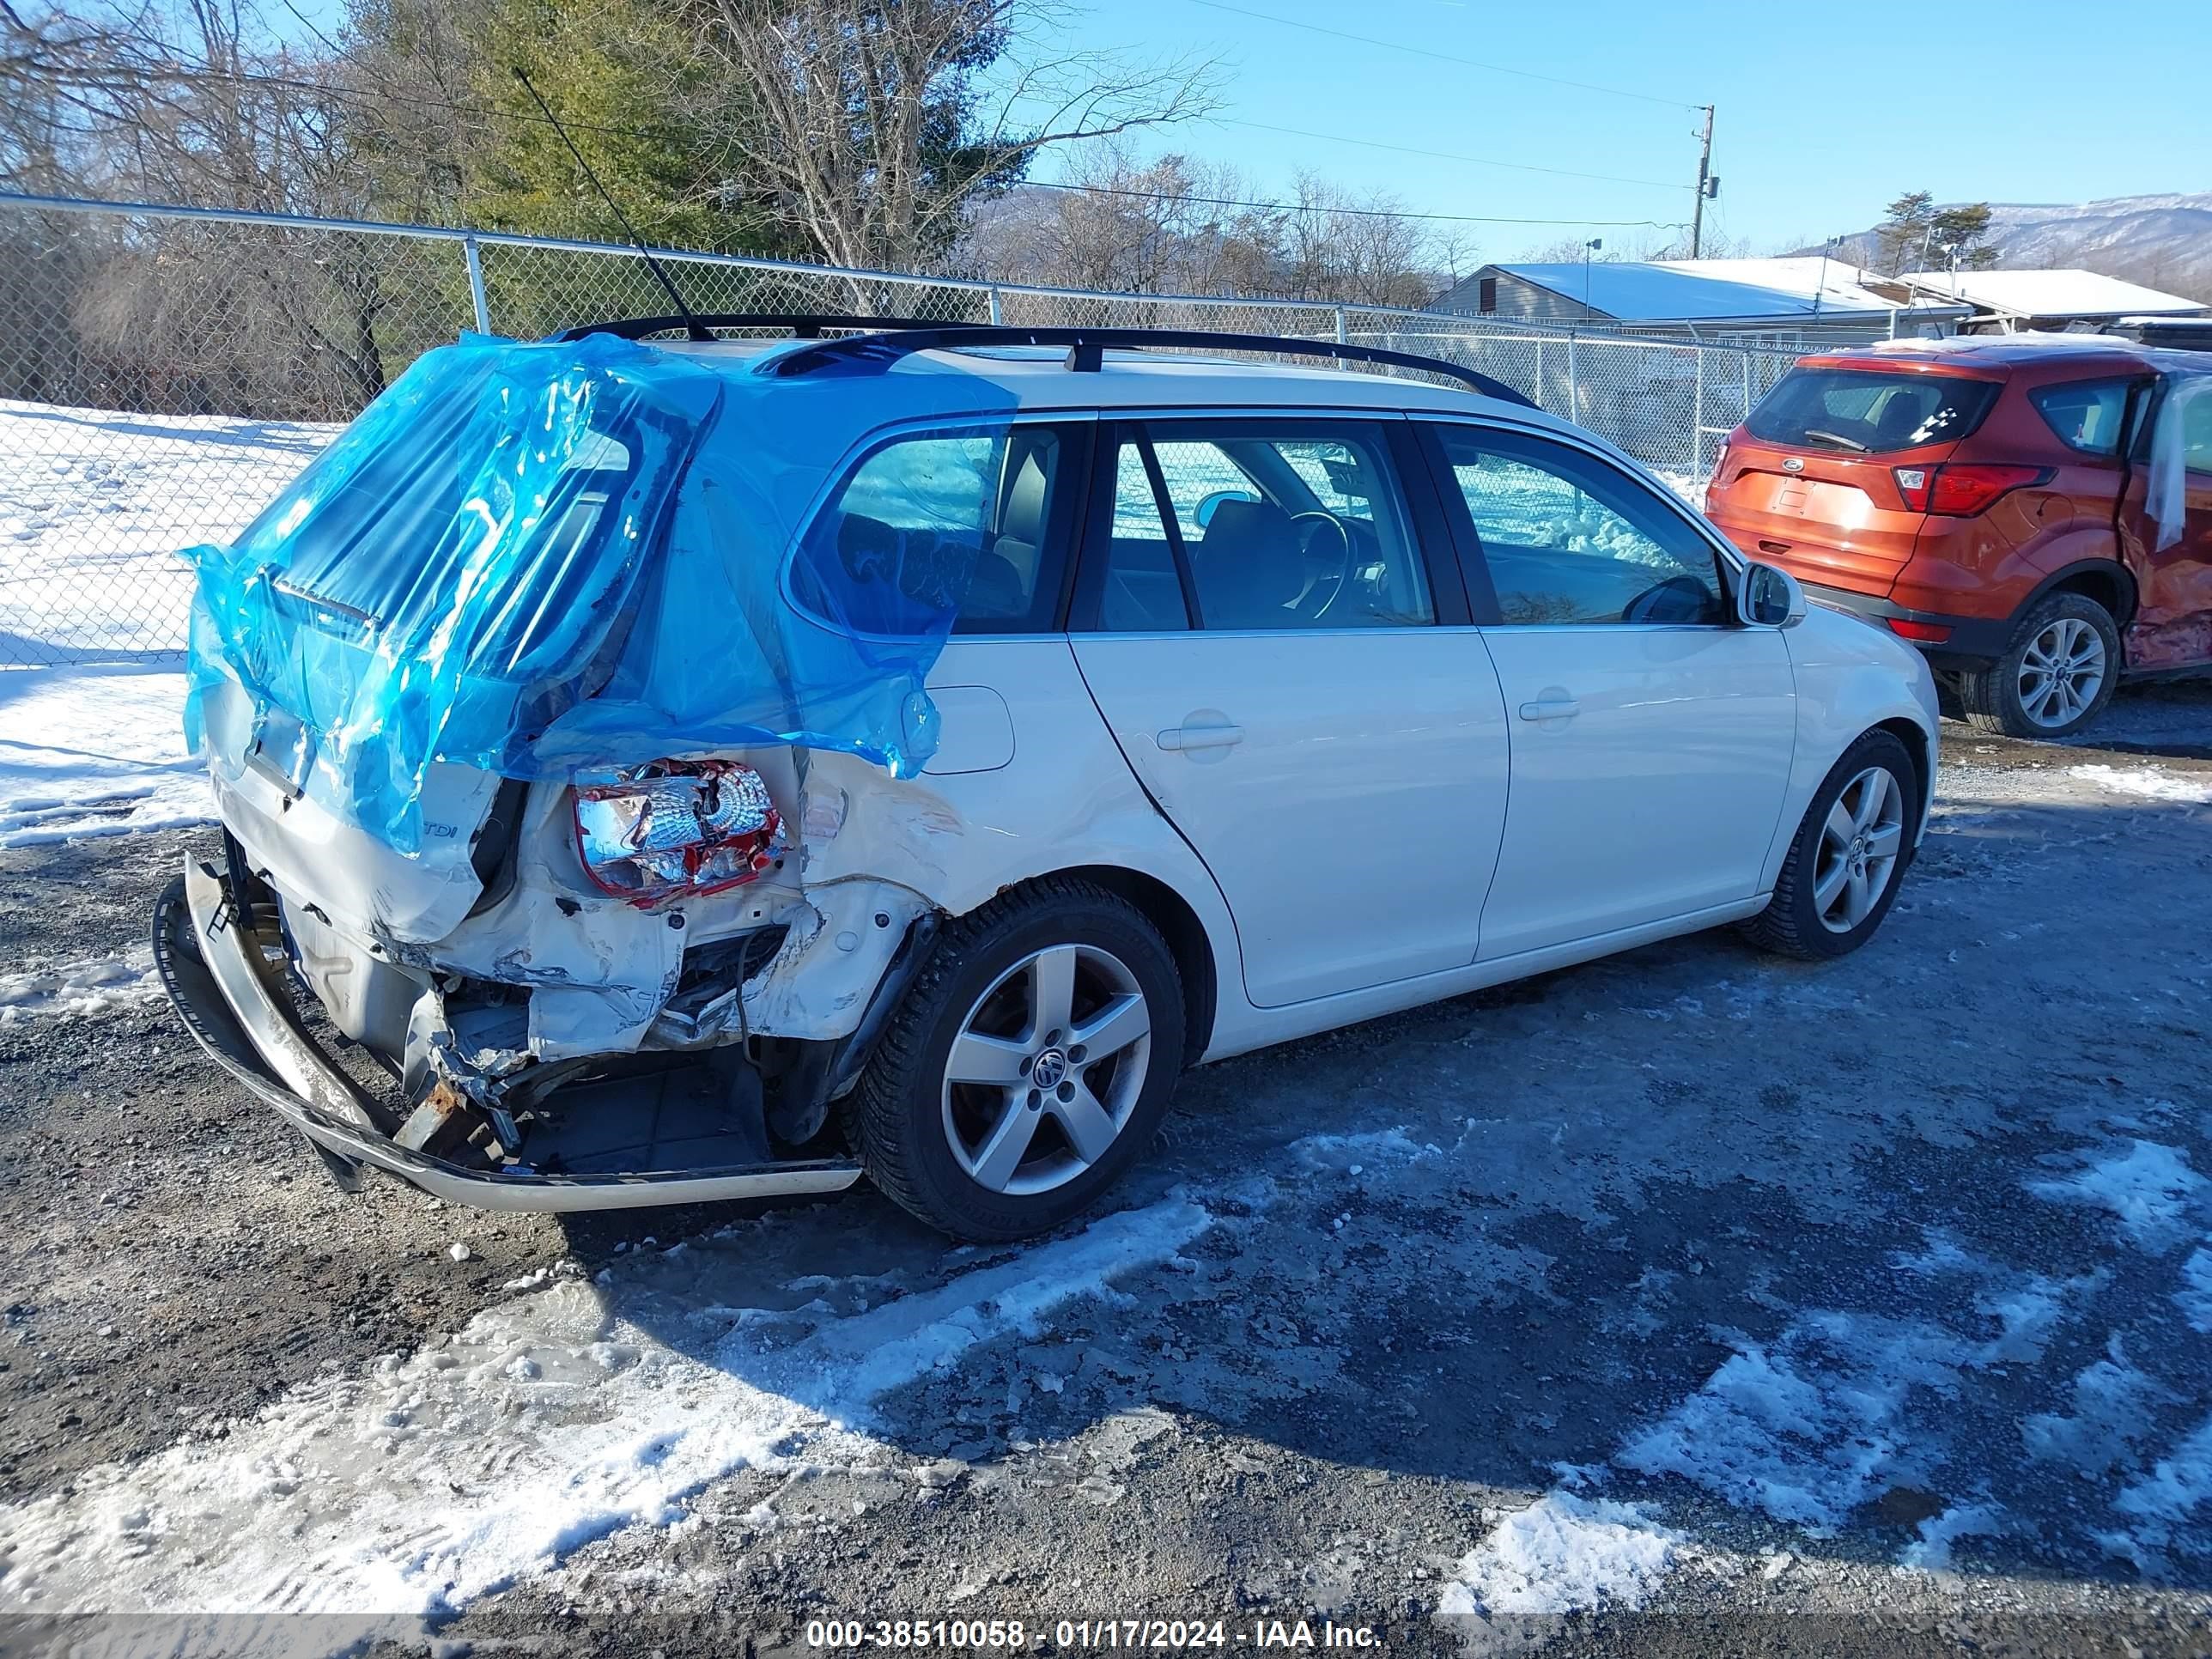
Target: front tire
[
  {"x": 1028, "y": 1065},
  {"x": 1851, "y": 851},
  {"x": 2054, "y": 679}
]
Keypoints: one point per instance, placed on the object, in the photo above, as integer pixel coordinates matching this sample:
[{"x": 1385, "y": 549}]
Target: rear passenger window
[
  {"x": 958, "y": 518},
  {"x": 1260, "y": 525},
  {"x": 2084, "y": 414},
  {"x": 1568, "y": 539}
]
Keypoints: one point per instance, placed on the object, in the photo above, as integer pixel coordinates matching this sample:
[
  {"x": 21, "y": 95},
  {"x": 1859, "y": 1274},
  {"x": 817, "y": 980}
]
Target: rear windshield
[{"x": 1868, "y": 412}]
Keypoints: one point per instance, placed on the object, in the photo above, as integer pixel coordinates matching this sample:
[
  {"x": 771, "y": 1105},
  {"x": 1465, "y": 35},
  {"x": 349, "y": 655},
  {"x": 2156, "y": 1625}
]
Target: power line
[
  {"x": 1443, "y": 155},
  {"x": 1445, "y": 57},
  {"x": 1349, "y": 212}
]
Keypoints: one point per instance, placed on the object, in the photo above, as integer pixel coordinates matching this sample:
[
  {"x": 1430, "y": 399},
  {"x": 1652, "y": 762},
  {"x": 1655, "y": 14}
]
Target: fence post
[
  {"x": 1574, "y": 384},
  {"x": 1697, "y": 416},
  {"x": 1747, "y": 383},
  {"x": 1343, "y": 335},
  {"x": 475, "y": 284},
  {"x": 996, "y": 318}
]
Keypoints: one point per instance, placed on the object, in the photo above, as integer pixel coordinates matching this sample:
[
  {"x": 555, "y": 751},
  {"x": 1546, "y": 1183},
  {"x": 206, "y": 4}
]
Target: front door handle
[
  {"x": 1181, "y": 739},
  {"x": 1550, "y": 709}
]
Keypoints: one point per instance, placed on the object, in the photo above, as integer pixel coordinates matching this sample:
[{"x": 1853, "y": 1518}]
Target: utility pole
[{"x": 1706, "y": 184}]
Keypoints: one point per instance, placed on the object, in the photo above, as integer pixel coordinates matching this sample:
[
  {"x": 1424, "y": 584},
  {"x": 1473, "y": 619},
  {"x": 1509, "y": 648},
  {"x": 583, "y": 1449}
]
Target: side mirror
[
  {"x": 1769, "y": 597},
  {"x": 1203, "y": 513}
]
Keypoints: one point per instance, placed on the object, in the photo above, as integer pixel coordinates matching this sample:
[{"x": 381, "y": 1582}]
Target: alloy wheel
[
  {"x": 2061, "y": 672},
  {"x": 1045, "y": 1069},
  {"x": 1860, "y": 842}
]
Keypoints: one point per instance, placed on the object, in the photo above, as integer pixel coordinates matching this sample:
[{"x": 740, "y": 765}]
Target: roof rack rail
[
  {"x": 878, "y": 342},
  {"x": 802, "y": 326},
  {"x": 1086, "y": 348}
]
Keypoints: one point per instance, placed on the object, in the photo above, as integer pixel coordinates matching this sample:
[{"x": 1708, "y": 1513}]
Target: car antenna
[{"x": 690, "y": 323}]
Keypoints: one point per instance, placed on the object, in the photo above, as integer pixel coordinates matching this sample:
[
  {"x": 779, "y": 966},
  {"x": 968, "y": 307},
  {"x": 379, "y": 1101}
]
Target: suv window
[
  {"x": 1258, "y": 524},
  {"x": 1869, "y": 411},
  {"x": 2084, "y": 414},
  {"x": 961, "y": 516},
  {"x": 1568, "y": 538}
]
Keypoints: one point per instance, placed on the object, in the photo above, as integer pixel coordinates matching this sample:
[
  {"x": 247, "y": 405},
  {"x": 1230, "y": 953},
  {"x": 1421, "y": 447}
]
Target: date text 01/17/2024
[{"x": 1092, "y": 1634}]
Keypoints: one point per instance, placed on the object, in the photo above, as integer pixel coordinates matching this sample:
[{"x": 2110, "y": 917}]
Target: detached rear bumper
[
  {"x": 1968, "y": 641},
  {"x": 219, "y": 976}
]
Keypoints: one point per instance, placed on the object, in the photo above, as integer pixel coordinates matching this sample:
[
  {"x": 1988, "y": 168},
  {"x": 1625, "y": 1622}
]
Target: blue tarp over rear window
[{"x": 557, "y": 559}]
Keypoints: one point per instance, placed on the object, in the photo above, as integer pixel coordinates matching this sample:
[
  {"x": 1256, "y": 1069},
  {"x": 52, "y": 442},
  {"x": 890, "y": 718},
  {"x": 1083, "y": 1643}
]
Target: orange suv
[{"x": 2034, "y": 512}]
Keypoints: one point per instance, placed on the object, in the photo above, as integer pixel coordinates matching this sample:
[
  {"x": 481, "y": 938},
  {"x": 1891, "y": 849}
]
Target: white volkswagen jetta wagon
[{"x": 903, "y": 751}]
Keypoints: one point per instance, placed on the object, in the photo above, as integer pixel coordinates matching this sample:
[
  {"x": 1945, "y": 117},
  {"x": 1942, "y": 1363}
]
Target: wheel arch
[
  {"x": 1187, "y": 938},
  {"x": 2107, "y": 581},
  {"x": 1920, "y": 749}
]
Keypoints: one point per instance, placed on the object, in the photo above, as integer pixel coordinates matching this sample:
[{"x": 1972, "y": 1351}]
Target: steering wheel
[
  {"x": 1677, "y": 600},
  {"x": 1326, "y": 547}
]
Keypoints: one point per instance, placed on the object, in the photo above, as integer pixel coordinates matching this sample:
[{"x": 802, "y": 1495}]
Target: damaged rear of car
[{"x": 532, "y": 772}]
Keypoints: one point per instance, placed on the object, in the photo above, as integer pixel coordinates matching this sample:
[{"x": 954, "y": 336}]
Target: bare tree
[{"x": 868, "y": 118}]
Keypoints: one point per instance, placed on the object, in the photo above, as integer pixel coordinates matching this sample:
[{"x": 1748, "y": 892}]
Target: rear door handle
[
  {"x": 1551, "y": 708},
  {"x": 1181, "y": 739}
]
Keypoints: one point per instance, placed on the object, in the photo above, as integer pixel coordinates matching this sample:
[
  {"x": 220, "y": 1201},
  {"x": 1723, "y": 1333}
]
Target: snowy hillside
[{"x": 2165, "y": 241}]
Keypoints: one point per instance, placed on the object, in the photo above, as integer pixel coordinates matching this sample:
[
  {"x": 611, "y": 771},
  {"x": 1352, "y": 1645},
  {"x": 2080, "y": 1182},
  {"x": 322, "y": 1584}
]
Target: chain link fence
[{"x": 164, "y": 372}]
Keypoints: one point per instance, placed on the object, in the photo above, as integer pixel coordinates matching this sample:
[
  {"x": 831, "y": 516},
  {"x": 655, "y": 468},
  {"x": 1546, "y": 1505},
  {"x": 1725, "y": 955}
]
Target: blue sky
[{"x": 1825, "y": 112}]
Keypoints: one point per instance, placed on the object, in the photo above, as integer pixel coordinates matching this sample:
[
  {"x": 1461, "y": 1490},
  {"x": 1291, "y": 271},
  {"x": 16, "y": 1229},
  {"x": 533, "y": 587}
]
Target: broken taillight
[{"x": 677, "y": 827}]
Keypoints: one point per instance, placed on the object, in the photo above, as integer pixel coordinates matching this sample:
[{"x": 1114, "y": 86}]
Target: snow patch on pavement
[
  {"x": 2149, "y": 782},
  {"x": 548, "y": 1420},
  {"x": 2150, "y": 1188},
  {"x": 1930, "y": 1551},
  {"x": 1811, "y": 1426},
  {"x": 95, "y": 751},
  {"x": 85, "y": 989},
  {"x": 2194, "y": 1298},
  {"x": 1562, "y": 1554}
]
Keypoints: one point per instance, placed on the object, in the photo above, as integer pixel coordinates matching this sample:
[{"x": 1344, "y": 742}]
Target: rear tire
[
  {"x": 2054, "y": 679},
  {"x": 1027, "y": 1124},
  {"x": 1857, "y": 834}
]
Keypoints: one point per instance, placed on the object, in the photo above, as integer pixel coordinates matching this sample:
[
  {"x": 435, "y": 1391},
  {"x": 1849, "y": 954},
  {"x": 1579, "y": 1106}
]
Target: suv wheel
[
  {"x": 1849, "y": 856},
  {"x": 2054, "y": 679},
  {"x": 1028, "y": 1065}
]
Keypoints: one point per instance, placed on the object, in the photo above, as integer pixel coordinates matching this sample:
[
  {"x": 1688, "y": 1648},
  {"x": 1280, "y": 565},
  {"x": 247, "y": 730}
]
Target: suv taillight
[
  {"x": 677, "y": 827},
  {"x": 1959, "y": 490},
  {"x": 1720, "y": 463}
]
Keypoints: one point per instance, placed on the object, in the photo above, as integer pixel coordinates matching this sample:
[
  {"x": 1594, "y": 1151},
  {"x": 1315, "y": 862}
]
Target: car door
[
  {"x": 1273, "y": 626},
  {"x": 2165, "y": 528},
  {"x": 1651, "y": 736}
]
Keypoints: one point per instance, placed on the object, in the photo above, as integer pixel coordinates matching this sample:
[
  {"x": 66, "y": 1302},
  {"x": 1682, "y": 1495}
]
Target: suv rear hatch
[{"x": 1810, "y": 480}]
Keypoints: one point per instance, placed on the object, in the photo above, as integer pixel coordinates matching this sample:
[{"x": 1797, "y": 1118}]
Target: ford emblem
[{"x": 1794, "y": 464}]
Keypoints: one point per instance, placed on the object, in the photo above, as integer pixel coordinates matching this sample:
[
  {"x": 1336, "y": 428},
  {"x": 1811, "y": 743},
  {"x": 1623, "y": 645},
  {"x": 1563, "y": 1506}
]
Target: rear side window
[
  {"x": 1870, "y": 412},
  {"x": 966, "y": 516},
  {"x": 2084, "y": 414},
  {"x": 1243, "y": 525}
]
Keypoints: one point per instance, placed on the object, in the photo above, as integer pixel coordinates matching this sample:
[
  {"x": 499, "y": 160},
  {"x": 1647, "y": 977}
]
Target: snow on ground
[
  {"x": 548, "y": 1420},
  {"x": 1562, "y": 1554},
  {"x": 91, "y": 986},
  {"x": 2151, "y": 782},
  {"x": 2149, "y": 1187},
  {"x": 94, "y": 751},
  {"x": 94, "y": 505}
]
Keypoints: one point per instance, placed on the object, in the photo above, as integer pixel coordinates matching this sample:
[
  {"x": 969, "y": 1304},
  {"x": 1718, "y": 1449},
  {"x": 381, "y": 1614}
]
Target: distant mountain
[{"x": 2160, "y": 241}]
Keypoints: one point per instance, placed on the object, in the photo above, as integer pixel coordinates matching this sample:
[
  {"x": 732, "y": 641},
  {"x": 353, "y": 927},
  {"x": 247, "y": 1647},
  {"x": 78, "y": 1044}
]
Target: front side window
[
  {"x": 959, "y": 520},
  {"x": 2084, "y": 414},
  {"x": 1260, "y": 525},
  {"x": 1569, "y": 539}
]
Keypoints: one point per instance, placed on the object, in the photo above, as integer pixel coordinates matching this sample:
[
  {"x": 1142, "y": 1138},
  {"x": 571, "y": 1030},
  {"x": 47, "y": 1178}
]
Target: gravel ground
[{"x": 1687, "y": 1303}]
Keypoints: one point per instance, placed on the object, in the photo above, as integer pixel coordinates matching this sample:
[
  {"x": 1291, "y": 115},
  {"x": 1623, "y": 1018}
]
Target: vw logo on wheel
[{"x": 1051, "y": 1068}]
